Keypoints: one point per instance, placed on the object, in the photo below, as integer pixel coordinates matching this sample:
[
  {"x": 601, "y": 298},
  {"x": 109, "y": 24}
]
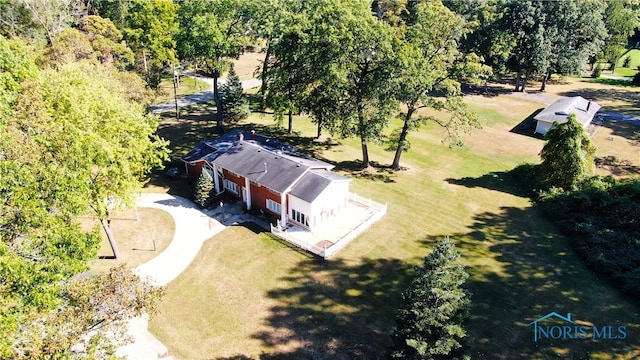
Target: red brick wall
[
  {"x": 238, "y": 180},
  {"x": 259, "y": 196},
  {"x": 195, "y": 170}
]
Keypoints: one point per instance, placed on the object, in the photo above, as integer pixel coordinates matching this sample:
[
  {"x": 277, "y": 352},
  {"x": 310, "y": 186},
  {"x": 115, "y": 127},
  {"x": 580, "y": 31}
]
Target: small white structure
[{"x": 560, "y": 109}]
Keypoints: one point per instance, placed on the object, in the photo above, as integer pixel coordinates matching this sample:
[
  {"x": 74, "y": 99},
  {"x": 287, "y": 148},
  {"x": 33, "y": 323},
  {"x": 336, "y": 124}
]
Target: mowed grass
[
  {"x": 248, "y": 295},
  {"x": 141, "y": 234},
  {"x": 187, "y": 86}
]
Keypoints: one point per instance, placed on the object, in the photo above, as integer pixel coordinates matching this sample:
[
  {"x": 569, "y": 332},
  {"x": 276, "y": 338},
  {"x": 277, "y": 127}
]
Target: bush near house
[{"x": 204, "y": 188}]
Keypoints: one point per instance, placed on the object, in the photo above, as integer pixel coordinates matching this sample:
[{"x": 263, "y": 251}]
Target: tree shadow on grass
[
  {"x": 335, "y": 310},
  {"x": 522, "y": 269},
  {"x": 502, "y": 181},
  {"x": 616, "y": 166},
  {"x": 375, "y": 171}
]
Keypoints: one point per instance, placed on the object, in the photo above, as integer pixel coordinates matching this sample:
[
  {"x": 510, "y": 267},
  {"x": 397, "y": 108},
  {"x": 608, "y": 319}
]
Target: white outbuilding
[{"x": 560, "y": 109}]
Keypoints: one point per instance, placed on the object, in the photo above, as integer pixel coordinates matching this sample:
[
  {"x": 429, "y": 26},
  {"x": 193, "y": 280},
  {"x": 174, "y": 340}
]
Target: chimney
[
  {"x": 241, "y": 137},
  {"x": 253, "y": 134},
  {"x": 265, "y": 168},
  {"x": 588, "y": 106}
]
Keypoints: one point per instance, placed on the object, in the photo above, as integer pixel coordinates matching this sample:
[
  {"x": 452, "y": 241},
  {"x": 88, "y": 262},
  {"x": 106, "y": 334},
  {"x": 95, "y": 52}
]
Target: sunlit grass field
[{"x": 247, "y": 295}]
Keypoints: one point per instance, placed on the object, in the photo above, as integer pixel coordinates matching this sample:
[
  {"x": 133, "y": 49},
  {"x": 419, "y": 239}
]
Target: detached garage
[{"x": 560, "y": 109}]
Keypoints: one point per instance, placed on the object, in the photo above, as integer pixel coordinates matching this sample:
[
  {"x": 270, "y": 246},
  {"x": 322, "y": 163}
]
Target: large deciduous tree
[
  {"x": 64, "y": 141},
  {"x": 211, "y": 32},
  {"x": 574, "y": 37},
  {"x": 568, "y": 155},
  {"x": 430, "y": 72},
  {"x": 487, "y": 37},
  {"x": 150, "y": 30},
  {"x": 289, "y": 71},
  {"x": 430, "y": 321},
  {"x": 363, "y": 66},
  {"x": 621, "y": 18}
]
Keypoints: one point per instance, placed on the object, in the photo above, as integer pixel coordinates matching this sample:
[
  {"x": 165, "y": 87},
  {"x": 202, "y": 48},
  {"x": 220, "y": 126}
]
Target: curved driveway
[{"x": 192, "y": 228}]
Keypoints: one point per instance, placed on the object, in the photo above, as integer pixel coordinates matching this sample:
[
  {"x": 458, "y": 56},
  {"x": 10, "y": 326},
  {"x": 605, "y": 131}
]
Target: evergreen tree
[
  {"x": 204, "y": 187},
  {"x": 429, "y": 323},
  {"x": 568, "y": 155},
  {"x": 235, "y": 103}
]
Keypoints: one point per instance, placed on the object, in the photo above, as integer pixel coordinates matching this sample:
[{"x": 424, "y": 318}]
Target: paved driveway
[{"x": 192, "y": 228}]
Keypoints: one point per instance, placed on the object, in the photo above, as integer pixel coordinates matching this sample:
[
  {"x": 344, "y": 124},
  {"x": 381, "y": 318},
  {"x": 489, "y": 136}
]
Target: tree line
[{"x": 353, "y": 65}]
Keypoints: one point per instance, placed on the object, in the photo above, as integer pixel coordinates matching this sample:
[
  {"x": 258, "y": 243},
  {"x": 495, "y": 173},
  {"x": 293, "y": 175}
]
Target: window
[
  {"x": 300, "y": 217},
  {"x": 273, "y": 206},
  {"x": 231, "y": 186}
]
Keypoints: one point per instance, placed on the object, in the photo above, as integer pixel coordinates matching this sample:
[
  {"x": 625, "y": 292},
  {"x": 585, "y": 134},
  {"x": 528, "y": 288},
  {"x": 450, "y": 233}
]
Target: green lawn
[
  {"x": 187, "y": 86},
  {"x": 249, "y": 296},
  {"x": 632, "y": 68}
]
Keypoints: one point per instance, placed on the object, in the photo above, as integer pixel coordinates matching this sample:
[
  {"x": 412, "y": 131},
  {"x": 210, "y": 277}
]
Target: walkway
[
  {"x": 192, "y": 228},
  {"x": 200, "y": 97}
]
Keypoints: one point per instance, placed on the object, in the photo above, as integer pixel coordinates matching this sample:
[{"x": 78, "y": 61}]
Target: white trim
[
  {"x": 273, "y": 206},
  {"x": 231, "y": 186},
  {"x": 247, "y": 188}
]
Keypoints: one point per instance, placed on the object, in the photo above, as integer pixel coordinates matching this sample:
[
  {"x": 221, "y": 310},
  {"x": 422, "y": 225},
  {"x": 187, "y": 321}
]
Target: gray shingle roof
[
  {"x": 560, "y": 109},
  {"x": 261, "y": 166},
  {"x": 313, "y": 183}
]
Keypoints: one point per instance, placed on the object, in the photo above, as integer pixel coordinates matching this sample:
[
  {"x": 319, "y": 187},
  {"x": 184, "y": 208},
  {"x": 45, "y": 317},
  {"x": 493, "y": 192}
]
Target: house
[
  {"x": 310, "y": 205},
  {"x": 560, "y": 109},
  {"x": 271, "y": 176}
]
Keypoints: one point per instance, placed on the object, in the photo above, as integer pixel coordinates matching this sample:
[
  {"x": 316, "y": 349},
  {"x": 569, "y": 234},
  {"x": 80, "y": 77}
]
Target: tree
[
  {"x": 574, "y": 37},
  {"x": 365, "y": 68},
  {"x": 53, "y": 15},
  {"x": 91, "y": 319},
  {"x": 568, "y": 155},
  {"x": 290, "y": 71},
  {"x": 150, "y": 30},
  {"x": 210, "y": 33},
  {"x": 61, "y": 130},
  {"x": 430, "y": 72},
  {"x": 487, "y": 36},
  {"x": 429, "y": 323},
  {"x": 86, "y": 125},
  {"x": 204, "y": 187},
  {"x": 232, "y": 96},
  {"x": 271, "y": 18},
  {"x": 524, "y": 22},
  {"x": 620, "y": 19}
]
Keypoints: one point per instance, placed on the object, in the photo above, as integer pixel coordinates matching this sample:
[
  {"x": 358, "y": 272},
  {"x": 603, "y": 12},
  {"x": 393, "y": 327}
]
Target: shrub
[
  {"x": 626, "y": 62},
  {"x": 597, "y": 71},
  {"x": 603, "y": 218},
  {"x": 204, "y": 189}
]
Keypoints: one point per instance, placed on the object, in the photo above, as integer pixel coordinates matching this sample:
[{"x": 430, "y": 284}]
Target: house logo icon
[
  {"x": 552, "y": 314},
  {"x": 555, "y": 326}
]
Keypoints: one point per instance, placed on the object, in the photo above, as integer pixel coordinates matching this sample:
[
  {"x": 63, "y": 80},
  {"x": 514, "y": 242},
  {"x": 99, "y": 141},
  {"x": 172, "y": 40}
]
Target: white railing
[
  {"x": 303, "y": 244},
  {"x": 376, "y": 210},
  {"x": 355, "y": 198}
]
